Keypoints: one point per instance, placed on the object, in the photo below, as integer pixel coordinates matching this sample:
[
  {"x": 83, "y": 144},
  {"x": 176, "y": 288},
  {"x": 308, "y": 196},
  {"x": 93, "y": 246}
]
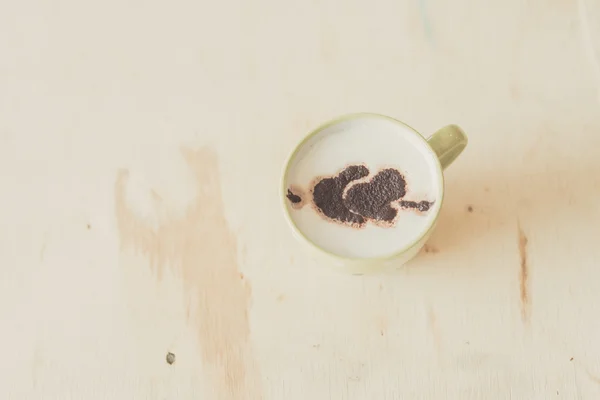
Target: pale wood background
[{"x": 141, "y": 148}]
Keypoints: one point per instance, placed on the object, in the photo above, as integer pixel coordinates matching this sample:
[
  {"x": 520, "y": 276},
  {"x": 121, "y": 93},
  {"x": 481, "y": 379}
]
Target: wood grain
[
  {"x": 118, "y": 248},
  {"x": 523, "y": 275},
  {"x": 203, "y": 251}
]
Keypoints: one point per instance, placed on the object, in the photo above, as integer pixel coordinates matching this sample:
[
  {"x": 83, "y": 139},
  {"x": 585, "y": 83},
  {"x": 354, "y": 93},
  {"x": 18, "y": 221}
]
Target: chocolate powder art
[
  {"x": 353, "y": 198},
  {"x": 294, "y": 198},
  {"x": 416, "y": 205},
  {"x": 373, "y": 199},
  {"x": 328, "y": 195}
]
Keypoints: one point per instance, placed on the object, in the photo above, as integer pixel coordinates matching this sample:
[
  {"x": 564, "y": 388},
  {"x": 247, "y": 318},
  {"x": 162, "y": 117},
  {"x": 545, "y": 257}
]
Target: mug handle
[{"x": 448, "y": 143}]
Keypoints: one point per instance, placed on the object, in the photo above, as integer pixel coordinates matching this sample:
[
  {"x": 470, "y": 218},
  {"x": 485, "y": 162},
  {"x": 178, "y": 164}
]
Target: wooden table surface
[{"x": 141, "y": 145}]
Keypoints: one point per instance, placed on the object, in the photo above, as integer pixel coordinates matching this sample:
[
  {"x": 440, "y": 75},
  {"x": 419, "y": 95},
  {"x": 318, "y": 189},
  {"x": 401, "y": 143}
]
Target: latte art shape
[
  {"x": 373, "y": 198},
  {"x": 328, "y": 196},
  {"x": 353, "y": 198}
]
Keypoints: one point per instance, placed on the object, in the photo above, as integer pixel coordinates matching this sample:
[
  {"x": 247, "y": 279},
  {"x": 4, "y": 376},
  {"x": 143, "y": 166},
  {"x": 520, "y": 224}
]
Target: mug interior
[{"x": 323, "y": 155}]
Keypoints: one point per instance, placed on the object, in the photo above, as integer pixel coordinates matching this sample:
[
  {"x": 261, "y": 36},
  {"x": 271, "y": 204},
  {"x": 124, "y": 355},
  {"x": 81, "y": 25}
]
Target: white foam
[{"x": 378, "y": 143}]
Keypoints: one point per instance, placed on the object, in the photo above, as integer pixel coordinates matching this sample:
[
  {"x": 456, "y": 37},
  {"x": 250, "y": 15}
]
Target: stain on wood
[
  {"x": 523, "y": 275},
  {"x": 515, "y": 91},
  {"x": 429, "y": 249},
  {"x": 43, "y": 250},
  {"x": 594, "y": 379},
  {"x": 382, "y": 325},
  {"x": 434, "y": 329},
  {"x": 202, "y": 250}
]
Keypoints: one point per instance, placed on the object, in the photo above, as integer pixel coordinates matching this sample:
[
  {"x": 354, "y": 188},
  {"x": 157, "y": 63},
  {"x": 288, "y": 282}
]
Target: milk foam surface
[{"x": 377, "y": 143}]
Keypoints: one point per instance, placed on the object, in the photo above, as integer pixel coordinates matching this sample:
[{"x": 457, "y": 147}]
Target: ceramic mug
[{"x": 438, "y": 151}]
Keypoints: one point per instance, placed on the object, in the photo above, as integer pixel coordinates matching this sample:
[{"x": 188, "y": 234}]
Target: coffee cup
[{"x": 364, "y": 191}]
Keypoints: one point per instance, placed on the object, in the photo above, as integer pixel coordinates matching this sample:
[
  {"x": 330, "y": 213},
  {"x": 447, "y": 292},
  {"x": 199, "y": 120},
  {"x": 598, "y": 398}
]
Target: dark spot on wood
[
  {"x": 89, "y": 226},
  {"x": 523, "y": 275},
  {"x": 381, "y": 333},
  {"x": 571, "y": 359},
  {"x": 242, "y": 276},
  {"x": 470, "y": 209},
  {"x": 170, "y": 358},
  {"x": 429, "y": 249},
  {"x": 316, "y": 346},
  {"x": 280, "y": 298}
]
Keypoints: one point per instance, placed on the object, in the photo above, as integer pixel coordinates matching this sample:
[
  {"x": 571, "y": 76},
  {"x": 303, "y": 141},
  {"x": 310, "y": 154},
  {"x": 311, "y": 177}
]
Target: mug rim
[{"x": 298, "y": 233}]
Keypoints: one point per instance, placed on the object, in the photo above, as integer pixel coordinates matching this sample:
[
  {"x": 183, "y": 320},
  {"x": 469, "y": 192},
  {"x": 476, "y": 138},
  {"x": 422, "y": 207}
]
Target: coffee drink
[{"x": 363, "y": 187}]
